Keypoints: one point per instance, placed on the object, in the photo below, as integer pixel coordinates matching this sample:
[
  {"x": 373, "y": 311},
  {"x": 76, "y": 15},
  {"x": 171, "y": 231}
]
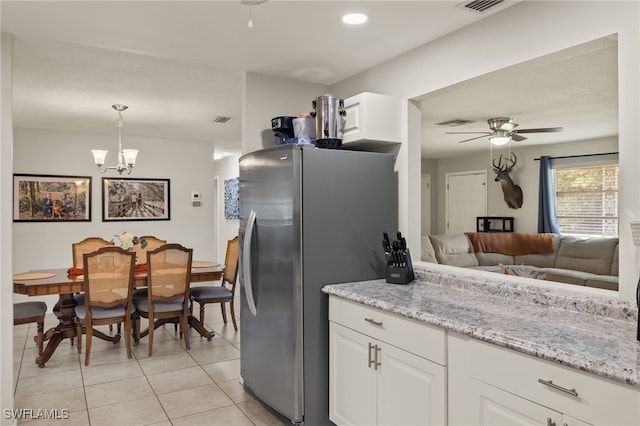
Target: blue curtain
[{"x": 547, "y": 221}]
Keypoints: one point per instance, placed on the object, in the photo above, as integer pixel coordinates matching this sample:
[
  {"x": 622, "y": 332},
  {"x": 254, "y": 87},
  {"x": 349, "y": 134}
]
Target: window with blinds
[{"x": 587, "y": 200}]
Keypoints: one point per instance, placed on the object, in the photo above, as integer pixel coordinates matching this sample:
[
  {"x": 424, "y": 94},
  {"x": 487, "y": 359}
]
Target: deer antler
[
  {"x": 513, "y": 163},
  {"x": 498, "y": 168},
  {"x": 506, "y": 167}
]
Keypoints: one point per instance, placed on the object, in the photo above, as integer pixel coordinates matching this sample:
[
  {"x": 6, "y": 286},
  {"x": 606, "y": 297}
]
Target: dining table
[{"x": 58, "y": 281}]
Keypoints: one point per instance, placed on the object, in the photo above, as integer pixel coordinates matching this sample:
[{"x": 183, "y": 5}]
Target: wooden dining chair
[
  {"x": 108, "y": 285},
  {"x": 28, "y": 312},
  {"x": 87, "y": 245},
  {"x": 78, "y": 250},
  {"x": 168, "y": 279},
  {"x": 141, "y": 257},
  {"x": 223, "y": 293},
  {"x": 152, "y": 244}
]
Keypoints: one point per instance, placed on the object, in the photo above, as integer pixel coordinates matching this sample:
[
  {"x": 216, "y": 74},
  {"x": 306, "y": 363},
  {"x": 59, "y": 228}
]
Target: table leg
[
  {"x": 66, "y": 328},
  {"x": 195, "y": 323},
  {"x": 191, "y": 320}
]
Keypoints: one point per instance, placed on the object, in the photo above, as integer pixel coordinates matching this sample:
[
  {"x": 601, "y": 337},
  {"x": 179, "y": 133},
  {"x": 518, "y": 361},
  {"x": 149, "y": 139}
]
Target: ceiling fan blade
[
  {"x": 467, "y": 133},
  {"x": 517, "y": 138},
  {"x": 508, "y": 126},
  {"x": 541, "y": 130},
  {"x": 478, "y": 137}
]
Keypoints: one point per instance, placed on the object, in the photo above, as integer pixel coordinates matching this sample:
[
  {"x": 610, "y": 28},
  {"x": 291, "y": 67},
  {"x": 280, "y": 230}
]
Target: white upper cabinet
[{"x": 372, "y": 118}]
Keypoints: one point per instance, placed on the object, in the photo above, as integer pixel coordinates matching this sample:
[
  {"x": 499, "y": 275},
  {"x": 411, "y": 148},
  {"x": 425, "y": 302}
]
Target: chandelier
[{"x": 129, "y": 155}]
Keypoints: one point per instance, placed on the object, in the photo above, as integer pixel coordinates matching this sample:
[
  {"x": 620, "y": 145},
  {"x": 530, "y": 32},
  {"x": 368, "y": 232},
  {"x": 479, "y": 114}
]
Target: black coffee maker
[{"x": 283, "y": 128}]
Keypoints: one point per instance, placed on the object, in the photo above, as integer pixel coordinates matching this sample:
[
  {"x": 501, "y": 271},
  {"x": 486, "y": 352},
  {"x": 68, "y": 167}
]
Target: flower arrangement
[{"x": 127, "y": 240}]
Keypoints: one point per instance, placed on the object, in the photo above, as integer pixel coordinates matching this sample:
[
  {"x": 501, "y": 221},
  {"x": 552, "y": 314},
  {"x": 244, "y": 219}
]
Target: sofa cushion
[
  {"x": 427, "y": 254},
  {"x": 616, "y": 260},
  {"x": 608, "y": 282},
  {"x": 453, "y": 250},
  {"x": 486, "y": 259},
  {"x": 567, "y": 276},
  {"x": 593, "y": 255},
  {"x": 540, "y": 260}
]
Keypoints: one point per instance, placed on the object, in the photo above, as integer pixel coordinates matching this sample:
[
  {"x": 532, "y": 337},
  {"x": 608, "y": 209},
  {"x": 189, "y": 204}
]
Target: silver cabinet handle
[
  {"x": 371, "y": 361},
  {"x": 374, "y": 322},
  {"x": 246, "y": 267},
  {"x": 377, "y": 363},
  {"x": 550, "y": 422},
  {"x": 560, "y": 388}
]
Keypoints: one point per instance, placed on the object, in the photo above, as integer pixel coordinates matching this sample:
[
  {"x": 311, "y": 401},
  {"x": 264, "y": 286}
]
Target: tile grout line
[
  {"x": 225, "y": 340},
  {"x": 151, "y": 387},
  {"x": 24, "y": 347}
]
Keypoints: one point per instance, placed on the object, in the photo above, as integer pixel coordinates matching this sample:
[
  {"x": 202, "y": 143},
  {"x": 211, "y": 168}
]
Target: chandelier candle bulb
[
  {"x": 128, "y": 155},
  {"x": 99, "y": 156}
]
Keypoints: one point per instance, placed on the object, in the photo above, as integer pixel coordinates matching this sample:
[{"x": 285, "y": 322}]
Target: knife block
[
  {"x": 401, "y": 274},
  {"x": 398, "y": 275}
]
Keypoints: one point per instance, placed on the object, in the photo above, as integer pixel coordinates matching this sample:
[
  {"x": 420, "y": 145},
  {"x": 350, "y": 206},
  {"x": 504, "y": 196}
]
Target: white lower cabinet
[
  {"x": 490, "y": 385},
  {"x": 491, "y": 406},
  {"x": 385, "y": 369},
  {"x": 373, "y": 382},
  {"x": 352, "y": 384}
]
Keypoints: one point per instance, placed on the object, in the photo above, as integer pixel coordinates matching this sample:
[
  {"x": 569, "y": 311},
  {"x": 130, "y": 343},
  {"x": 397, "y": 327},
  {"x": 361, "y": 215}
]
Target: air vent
[
  {"x": 455, "y": 122},
  {"x": 221, "y": 119},
  {"x": 480, "y": 6}
]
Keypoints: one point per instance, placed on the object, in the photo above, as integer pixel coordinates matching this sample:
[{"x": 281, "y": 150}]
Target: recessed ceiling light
[
  {"x": 354, "y": 18},
  {"x": 218, "y": 155}
]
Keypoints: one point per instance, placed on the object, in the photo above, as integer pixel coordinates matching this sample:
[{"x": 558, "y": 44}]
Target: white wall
[
  {"x": 522, "y": 32},
  {"x": 6, "y": 289},
  {"x": 188, "y": 164},
  {"x": 268, "y": 97},
  {"x": 525, "y": 174},
  {"x": 226, "y": 168}
]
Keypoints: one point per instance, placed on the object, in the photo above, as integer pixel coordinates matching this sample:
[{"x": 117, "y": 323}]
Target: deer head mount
[{"x": 512, "y": 192}]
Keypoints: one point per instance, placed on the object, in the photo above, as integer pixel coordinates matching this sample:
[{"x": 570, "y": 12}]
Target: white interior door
[
  {"x": 466, "y": 200},
  {"x": 425, "y": 186}
]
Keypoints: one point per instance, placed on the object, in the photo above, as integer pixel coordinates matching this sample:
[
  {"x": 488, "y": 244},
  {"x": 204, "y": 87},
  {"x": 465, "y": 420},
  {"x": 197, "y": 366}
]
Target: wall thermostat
[{"x": 195, "y": 199}]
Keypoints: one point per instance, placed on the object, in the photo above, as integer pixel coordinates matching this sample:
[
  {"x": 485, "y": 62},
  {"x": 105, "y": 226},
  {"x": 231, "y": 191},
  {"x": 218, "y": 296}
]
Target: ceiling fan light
[
  {"x": 355, "y": 18},
  {"x": 499, "y": 140}
]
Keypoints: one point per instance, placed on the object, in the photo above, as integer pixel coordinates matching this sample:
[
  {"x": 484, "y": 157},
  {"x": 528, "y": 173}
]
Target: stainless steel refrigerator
[{"x": 308, "y": 217}]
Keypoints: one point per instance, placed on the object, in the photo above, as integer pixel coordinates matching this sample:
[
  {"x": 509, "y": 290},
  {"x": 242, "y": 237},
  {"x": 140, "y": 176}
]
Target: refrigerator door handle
[{"x": 246, "y": 267}]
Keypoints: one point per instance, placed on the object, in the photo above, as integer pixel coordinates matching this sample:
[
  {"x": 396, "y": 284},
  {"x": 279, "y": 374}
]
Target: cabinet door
[
  {"x": 411, "y": 390},
  {"x": 352, "y": 383},
  {"x": 494, "y": 407},
  {"x": 570, "y": 421}
]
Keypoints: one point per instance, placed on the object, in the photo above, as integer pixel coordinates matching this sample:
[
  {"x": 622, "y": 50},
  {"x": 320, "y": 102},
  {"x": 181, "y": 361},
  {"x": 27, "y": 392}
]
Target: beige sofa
[{"x": 591, "y": 262}]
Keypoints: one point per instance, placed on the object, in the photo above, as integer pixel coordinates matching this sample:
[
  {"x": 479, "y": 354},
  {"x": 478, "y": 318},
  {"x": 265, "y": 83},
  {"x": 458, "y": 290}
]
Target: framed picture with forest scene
[
  {"x": 125, "y": 199},
  {"x": 49, "y": 198}
]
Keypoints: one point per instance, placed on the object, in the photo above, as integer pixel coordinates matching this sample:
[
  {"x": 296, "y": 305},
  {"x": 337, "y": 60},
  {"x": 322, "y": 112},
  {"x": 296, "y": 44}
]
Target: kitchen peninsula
[{"x": 457, "y": 348}]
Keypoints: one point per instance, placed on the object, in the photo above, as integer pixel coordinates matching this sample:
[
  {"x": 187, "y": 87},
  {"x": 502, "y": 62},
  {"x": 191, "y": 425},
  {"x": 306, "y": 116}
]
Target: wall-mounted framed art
[
  {"x": 232, "y": 198},
  {"x": 51, "y": 198},
  {"x": 125, "y": 199}
]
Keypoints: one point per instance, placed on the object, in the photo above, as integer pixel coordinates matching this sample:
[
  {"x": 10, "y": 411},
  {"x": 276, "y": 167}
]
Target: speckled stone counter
[{"x": 591, "y": 333}]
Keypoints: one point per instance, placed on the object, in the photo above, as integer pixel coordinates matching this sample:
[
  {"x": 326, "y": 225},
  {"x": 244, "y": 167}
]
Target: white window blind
[{"x": 587, "y": 200}]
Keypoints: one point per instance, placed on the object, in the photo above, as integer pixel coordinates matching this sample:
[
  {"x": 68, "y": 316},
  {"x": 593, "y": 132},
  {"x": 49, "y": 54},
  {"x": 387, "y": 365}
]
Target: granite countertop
[{"x": 590, "y": 333}]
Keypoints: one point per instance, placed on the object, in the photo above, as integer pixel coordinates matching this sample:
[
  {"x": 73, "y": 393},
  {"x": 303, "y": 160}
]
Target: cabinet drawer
[
  {"x": 598, "y": 400},
  {"x": 414, "y": 336}
]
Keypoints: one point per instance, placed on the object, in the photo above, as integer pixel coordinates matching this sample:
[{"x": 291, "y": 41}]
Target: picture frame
[
  {"x": 127, "y": 199},
  {"x": 51, "y": 198},
  {"x": 232, "y": 198}
]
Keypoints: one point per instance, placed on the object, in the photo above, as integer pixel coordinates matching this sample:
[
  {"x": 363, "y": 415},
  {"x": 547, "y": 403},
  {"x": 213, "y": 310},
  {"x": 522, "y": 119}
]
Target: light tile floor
[{"x": 173, "y": 387}]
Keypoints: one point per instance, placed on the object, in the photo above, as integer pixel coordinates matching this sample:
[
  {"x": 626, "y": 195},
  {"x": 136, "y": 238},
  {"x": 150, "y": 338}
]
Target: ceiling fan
[{"x": 503, "y": 130}]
